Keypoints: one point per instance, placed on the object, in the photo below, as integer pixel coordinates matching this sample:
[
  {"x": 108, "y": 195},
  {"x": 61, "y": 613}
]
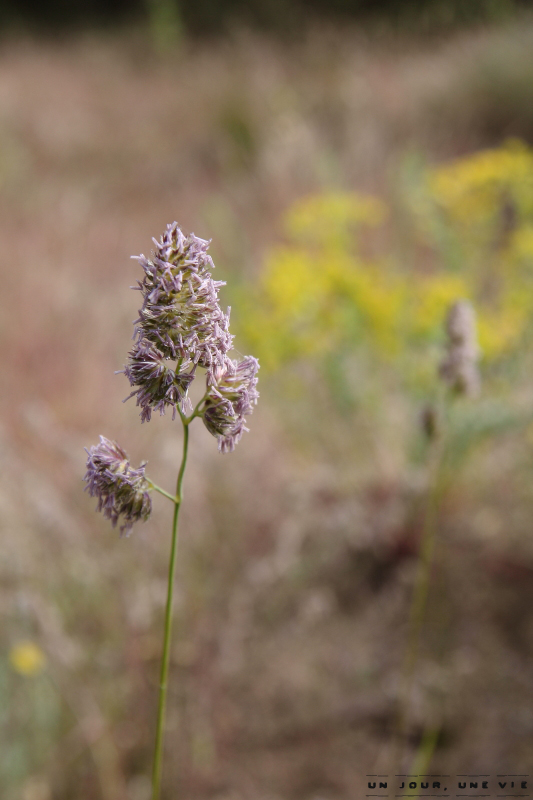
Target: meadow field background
[{"x": 355, "y": 182}]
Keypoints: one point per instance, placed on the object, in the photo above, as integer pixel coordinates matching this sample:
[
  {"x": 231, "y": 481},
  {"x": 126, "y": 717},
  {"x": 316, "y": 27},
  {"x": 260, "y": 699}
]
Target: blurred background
[{"x": 359, "y": 167}]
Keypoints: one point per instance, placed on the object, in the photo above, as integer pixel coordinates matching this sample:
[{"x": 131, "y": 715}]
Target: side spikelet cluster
[
  {"x": 230, "y": 397},
  {"x": 122, "y": 492}
]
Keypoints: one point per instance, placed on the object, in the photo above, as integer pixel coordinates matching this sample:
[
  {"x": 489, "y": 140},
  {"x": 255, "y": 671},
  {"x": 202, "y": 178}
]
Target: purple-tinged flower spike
[
  {"x": 459, "y": 368},
  {"x": 122, "y": 492},
  {"x": 180, "y": 312},
  {"x": 231, "y": 395},
  {"x": 158, "y": 384}
]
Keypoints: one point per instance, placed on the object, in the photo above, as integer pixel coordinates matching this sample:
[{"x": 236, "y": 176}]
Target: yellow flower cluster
[
  {"x": 484, "y": 206},
  {"x": 474, "y": 190},
  {"x": 323, "y": 290}
]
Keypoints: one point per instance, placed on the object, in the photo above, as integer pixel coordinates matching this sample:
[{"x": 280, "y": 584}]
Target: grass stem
[{"x": 165, "y": 662}]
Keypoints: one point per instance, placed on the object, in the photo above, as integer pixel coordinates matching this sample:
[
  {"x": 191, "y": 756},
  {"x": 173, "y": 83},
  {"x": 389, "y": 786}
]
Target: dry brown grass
[{"x": 289, "y": 623}]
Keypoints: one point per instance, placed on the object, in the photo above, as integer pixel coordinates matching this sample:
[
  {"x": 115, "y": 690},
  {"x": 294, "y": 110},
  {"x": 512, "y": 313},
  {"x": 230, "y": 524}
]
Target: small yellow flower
[{"x": 27, "y": 658}]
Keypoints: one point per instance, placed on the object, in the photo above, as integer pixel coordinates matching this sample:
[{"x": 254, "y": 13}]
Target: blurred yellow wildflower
[
  {"x": 318, "y": 290},
  {"x": 472, "y": 189},
  {"x": 431, "y": 297},
  {"x": 484, "y": 204},
  {"x": 27, "y": 658},
  {"x": 321, "y": 293},
  {"x": 331, "y": 216}
]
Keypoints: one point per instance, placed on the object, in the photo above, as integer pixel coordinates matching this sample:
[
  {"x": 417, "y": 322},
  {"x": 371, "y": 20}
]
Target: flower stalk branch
[{"x": 162, "y": 491}]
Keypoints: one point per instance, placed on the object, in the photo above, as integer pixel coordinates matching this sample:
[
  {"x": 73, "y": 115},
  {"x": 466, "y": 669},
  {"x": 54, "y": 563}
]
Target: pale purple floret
[
  {"x": 231, "y": 395},
  {"x": 122, "y": 492},
  {"x": 180, "y": 318}
]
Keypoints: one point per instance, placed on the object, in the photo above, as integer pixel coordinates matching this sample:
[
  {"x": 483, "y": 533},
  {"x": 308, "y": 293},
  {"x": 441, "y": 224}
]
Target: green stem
[
  {"x": 158, "y": 756},
  {"x": 420, "y": 594}
]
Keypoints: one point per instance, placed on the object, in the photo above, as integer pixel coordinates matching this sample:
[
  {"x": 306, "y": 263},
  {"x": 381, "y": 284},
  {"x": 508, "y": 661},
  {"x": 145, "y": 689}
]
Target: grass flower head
[
  {"x": 180, "y": 321},
  {"x": 122, "y": 491},
  {"x": 459, "y": 368}
]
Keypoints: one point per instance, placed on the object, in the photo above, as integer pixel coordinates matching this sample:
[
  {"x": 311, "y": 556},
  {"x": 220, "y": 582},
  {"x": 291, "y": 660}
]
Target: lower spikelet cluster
[
  {"x": 231, "y": 395},
  {"x": 158, "y": 384},
  {"x": 122, "y": 492}
]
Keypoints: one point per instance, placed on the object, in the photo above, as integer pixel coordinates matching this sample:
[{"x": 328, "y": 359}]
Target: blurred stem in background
[
  {"x": 165, "y": 24},
  {"x": 459, "y": 372},
  {"x": 420, "y": 592},
  {"x": 90, "y": 731},
  {"x": 424, "y": 754}
]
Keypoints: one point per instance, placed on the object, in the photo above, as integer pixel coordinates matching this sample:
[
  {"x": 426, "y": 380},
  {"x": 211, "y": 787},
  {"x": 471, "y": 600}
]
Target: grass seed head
[{"x": 122, "y": 491}]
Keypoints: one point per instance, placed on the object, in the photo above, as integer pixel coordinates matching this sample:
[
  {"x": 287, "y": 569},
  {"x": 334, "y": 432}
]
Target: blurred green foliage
[{"x": 213, "y": 16}]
